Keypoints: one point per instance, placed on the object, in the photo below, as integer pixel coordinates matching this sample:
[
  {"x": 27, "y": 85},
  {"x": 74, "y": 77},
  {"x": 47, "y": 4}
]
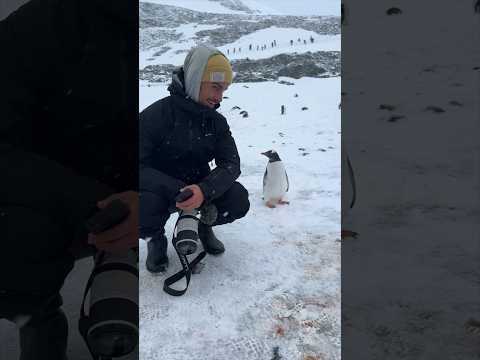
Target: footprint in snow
[
  {"x": 276, "y": 355},
  {"x": 455, "y": 103},
  {"x": 386, "y": 107},
  {"x": 395, "y": 118},
  {"x": 435, "y": 109},
  {"x": 394, "y": 11}
]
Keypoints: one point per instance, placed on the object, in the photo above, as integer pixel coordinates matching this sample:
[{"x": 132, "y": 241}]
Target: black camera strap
[{"x": 187, "y": 267}]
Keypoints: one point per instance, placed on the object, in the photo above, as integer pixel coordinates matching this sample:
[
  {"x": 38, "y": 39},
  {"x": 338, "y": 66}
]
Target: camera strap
[{"x": 187, "y": 267}]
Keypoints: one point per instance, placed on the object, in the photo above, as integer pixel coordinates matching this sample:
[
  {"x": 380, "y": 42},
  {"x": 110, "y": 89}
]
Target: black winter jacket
[
  {"x": 68, "y": 131},
  {"x": 178, "y": 138},
  {"x": 68, "y": 86}
]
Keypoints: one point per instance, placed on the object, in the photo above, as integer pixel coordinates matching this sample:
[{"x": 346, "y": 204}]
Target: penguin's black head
[{"x": 272, "y": 155}]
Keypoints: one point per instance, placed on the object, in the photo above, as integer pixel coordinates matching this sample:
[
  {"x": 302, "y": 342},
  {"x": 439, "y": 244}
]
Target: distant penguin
[{"x": 275, "y": 180}]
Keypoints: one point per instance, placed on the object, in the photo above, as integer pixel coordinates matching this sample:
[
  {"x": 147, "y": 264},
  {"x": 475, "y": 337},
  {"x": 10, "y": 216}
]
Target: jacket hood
[{"x": 194, "y": 66}]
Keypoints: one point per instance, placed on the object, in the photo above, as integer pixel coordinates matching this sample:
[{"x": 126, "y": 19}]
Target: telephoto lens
[
  {"x": 113, "y": 311},
  {"x": 186, "y": 237},
  {"x": 111, "y": 327},
  {"x": 186, "y": 231}
]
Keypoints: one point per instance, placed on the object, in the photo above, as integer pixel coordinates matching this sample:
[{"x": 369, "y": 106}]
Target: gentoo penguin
[{"x": 275, "y": 180}]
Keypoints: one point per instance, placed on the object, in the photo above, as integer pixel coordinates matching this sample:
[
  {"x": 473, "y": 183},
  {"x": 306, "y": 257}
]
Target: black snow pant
[
  {"x": 156, "y": 208},
  {"x": 43, "y": 208}
]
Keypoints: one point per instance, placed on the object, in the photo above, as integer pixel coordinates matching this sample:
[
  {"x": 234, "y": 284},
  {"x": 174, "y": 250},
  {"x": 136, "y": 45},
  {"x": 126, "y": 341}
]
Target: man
[
  {"x": 68, "y": 147},
  {"x": 179, "y": 136}
]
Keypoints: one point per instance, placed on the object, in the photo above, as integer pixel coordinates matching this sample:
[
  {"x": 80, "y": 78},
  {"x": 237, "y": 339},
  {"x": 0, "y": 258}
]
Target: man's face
[{"x": 211, "y": 93}]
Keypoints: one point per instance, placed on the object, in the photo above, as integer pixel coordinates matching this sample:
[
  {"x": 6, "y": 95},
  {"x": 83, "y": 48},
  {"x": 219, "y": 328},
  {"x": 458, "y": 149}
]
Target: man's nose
[{"x": 218, "y": 97}]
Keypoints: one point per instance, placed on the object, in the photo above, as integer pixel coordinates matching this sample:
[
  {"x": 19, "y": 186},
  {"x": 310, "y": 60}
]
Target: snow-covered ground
[
  {"x": 270, "y": 7},
  {"x": 278, "y": 283},
  {"x": 411, "y": 277},
  {"x": 198, "y": 5},
  {"x": 283, "y": 46},
  {"x": 178, "y": 48}
]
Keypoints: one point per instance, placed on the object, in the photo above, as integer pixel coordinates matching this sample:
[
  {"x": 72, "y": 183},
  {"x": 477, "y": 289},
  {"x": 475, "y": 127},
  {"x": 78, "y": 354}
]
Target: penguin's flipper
[{"x": 288, "y": 184}]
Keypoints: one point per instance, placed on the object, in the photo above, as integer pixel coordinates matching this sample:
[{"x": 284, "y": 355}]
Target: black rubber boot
[
  {"x": 210, "y": 242},
  {"x": 157, "y": 260}
]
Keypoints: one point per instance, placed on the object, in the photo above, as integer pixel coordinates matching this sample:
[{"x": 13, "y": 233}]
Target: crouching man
[{"x": 179, "y": 135}]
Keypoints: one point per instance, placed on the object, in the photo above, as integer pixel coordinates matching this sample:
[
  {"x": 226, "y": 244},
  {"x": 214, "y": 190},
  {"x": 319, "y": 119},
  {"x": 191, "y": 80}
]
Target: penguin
[{"x": 275, "y": 180}]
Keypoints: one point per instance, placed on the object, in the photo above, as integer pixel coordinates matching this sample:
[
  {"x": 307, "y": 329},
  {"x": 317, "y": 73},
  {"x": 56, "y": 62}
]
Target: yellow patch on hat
[{"x": 218, "y": 69}]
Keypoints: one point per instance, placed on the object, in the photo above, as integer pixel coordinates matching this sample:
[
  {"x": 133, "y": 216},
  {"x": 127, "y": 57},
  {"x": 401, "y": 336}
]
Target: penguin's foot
[
  {"x": 349, "y": 234},
  {"x": 270, "y": 204},
  {"x": 283, "y": 202}
]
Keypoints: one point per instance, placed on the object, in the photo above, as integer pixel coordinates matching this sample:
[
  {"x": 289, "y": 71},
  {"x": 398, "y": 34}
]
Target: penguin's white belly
[{"x": 275, "y": 185}]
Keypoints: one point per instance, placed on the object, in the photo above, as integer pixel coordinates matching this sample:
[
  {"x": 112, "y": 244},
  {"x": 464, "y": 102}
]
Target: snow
[
  {"x": 177, "y": 53},
  {"x": 198, "y": 5},
  {"x": 297, "y": 7},
  {"x": 282, "y": 37},
  {"x": 266, "y": 7},
  {"x": 178, "y": 50},
  {"x": 417, "y": 180},
  {"x": 278, "y": 283}
]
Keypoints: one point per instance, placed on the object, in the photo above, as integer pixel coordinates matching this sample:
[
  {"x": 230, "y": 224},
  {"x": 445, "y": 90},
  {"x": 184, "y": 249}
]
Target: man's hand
[
  {"x": 195, "y": 201},
  {"x": 123, "y": 236}
]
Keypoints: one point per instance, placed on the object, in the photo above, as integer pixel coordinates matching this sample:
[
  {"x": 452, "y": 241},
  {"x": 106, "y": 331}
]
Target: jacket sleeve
[
  {"x": 228, "y": 165},
  {"x": 151, "y": 131}
]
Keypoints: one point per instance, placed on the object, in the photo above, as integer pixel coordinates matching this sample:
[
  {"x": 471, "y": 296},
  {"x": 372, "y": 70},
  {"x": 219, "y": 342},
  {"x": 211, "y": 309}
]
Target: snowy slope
[
  {"x": 278, "y": 284},
  {"x": 176, "y": 54},
  {"x": 266, "y": 7},
  {"x": 168, "y": 32},
  {"x": 199, "y": 5}
]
